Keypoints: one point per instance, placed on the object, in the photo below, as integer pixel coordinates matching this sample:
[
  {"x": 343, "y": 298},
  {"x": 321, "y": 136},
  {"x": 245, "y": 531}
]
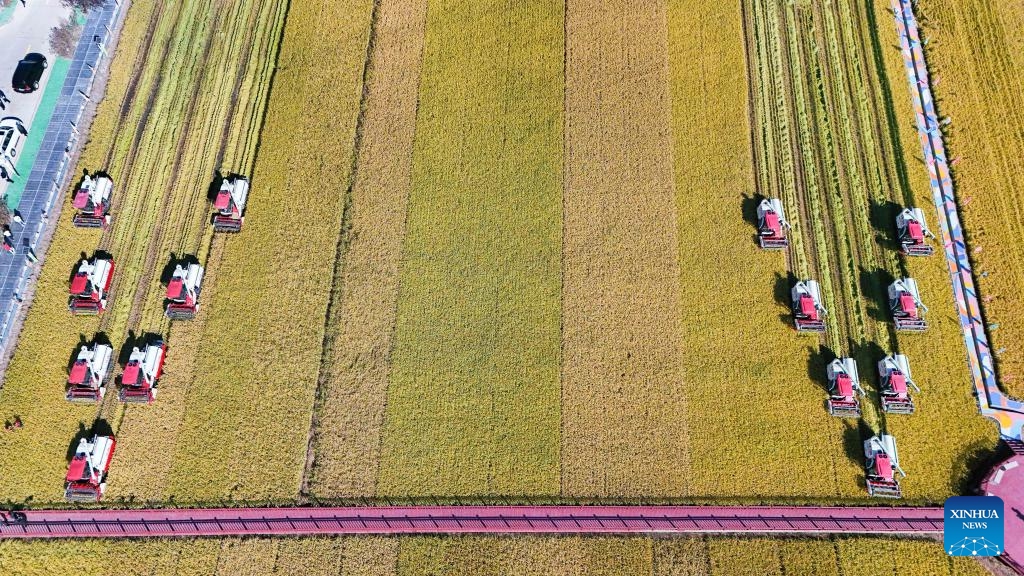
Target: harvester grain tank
[
  {"x": 87, "y": 381},
  {"x": 183, "y": 292},
  {"x": 894, "y": 374},
  {"x": 906, "y": 305},
  {"x": 86, "y": 480},
  {"x": 90, "y": 285},
  {"x": 808, "y": 311},
  {"x": 92, "y": 200},
  {"x": 913, "y": 233},
  {"x": 142, "y": 373},
  {"x": 844, "y": 386},
  {"x": 881, "y": 464},
  {"x": 772, "y": 225},
  {"x": 230, "y": 204}
]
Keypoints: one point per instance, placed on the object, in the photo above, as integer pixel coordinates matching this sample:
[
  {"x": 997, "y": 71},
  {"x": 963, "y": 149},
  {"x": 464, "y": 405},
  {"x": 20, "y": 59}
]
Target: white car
[{"x": 12, "y": 137}]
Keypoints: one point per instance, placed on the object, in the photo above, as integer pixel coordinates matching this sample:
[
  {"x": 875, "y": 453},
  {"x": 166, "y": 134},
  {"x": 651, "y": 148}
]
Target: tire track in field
[{"x": 345, "y": 435}]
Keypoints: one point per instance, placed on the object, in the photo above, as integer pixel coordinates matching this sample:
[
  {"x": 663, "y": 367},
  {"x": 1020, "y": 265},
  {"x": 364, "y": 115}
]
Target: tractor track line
[
  {"x": 133, "y": 84},
  {"x": 341, "y": 248}
]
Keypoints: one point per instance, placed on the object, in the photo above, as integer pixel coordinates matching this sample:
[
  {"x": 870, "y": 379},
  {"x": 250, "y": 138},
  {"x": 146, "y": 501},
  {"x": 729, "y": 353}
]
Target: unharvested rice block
[
  {"x": 473, "y": 401},
  {"x": 360, "y": 332},
  {"x": 624, "y": 410}
]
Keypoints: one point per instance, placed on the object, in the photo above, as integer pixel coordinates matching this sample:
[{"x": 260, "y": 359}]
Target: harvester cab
[
  {"x": 913, "y": 231},
  {"x": 90, "y": 284},
  {"x": 843, "y": 386},
  {"x": 808, "y": 311},
  {"x": 772, "y": 225},
  {"x": 87, "y": 381},
  {"x": 881, "y": 463},
  {"x": 86, "y": 480},
  {"x": 230, "y": 204},
  {"x": 92, "y": 200},
  {"x": 183, "y": 292},
  {"x": 906, "y": 305},
  {"x": 142, "y": 373},
  {"x": 894, "y": 373}
]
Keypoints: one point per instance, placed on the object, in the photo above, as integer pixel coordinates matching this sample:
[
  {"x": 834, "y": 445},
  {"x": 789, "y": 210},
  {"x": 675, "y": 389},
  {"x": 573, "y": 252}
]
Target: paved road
[
  {"x": 476, "y": 520},
  {"x": 27, "y": 31}
]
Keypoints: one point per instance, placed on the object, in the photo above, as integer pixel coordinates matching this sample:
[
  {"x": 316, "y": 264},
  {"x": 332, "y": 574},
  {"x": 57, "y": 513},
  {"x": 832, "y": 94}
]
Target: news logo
[{"x": 973, "y": 526}]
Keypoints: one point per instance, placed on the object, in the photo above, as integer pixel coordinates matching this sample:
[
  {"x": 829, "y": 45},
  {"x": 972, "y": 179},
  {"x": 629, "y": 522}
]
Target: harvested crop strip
[
  {"x": 255, "y": 374},
  {"x": 623, "y": 406},
  {"x": 742, "y": 364},
  {"x": 473, "y": 402},
  {"x": 360, "y": 329}
]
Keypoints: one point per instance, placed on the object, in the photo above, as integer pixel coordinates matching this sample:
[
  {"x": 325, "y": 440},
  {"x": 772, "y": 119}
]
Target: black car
[{"x": 29, "y": 71}]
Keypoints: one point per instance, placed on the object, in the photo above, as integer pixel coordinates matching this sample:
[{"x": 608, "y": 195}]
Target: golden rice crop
[
  {"x": 624, "y": 413},
  {"x": 750, "y": 382},
  {"x": 974, "y": 55},
  {"x": 361, "y": 323},
  {"x": 245, "y": 429},
  {"x": 473, "y": 399},
  {"x": 482, "y": 555}
]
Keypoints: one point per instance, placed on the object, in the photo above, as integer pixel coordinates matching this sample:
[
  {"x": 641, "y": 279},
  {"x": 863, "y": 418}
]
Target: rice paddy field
[
  {"x": 421, "y": 556},
  {"x": 497, "y": 251}
]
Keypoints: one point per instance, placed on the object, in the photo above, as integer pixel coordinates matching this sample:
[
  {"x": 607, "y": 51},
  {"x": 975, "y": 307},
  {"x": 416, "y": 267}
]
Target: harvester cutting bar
[
  {"x": 884, "y": 489},
  {"x": 226, "y": 224},
  {"x": 90, "y": 221},
  {"x": 897, "y": 405}
]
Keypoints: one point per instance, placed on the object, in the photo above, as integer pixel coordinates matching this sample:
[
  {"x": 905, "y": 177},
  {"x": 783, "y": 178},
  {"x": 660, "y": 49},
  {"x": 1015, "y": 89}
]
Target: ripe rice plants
[
  {"x": 973, "y": 52},
  {"x": 624, "y": 413},
  {"x": 750, "y": 382},
  {"x": 473, "y": 401},
  {"x": 255, "y": 373},
  {"x": 360, "y": 327}
]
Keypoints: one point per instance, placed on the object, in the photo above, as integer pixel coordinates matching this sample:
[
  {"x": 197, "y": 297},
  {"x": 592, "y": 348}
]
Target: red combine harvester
[
  {"x": 92, "y": 200},
  {"x": 772, "y": 225},
  {"x": 906, "y": 306},
  {"x": 881, "y": 463},
  {"x": 894, "y": 373},
  {"x": 183, "y": 292},
  {"x": 86, "y": 480},
  {"x": 230, "y": 204},
  {"x": 139, "y": 380},
  {"x": 844, "y": 386},
  {"x": 913, "y": 230},
  {"x": 88, "y": 379},
  {"x": 90, "y": 284},
  {"x": 808, "y": 312}
]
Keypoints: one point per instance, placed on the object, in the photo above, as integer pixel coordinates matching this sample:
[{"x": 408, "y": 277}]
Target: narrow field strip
[
  {"x": 147, "y": 435},
  {"x": 360, "y": 329},
  {"x": 473, "y": 400},
  {"x": 255, "y": 374},
  {"x": 761, "y": 397},
  {"x": 624, "y": 413},
  {"x": 976, "y": 67},
  {"x": 487, "y": 556},
  {"x": 33, "y": 384}
]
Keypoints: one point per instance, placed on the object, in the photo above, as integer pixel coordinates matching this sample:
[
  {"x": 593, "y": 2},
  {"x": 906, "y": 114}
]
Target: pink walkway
[
  {"x": 1007, "y": 482},
  {"x": 473, "y": 519}
]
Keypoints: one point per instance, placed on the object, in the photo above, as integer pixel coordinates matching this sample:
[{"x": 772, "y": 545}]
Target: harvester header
[
  {"x": 229, "y": 204},
  {"x": 881, "y": 463},
  {"x": 913, "y": 233},
  {"x": 86, "y": 480},
  {"x": 92, "y": 200},
  {"x": 894, "y": 374},
  {"x": 906, "y": 306},
  {"x": 142, "y": 373},
  {"x": 844, "y": 387},
  {"x": 808, "y": 310},
  {"x": 772, "y": 225},
  {"x": 90, "y": 284},
  {"x": 87, "y": 381},
  {"x": 183, "y": 292}
]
